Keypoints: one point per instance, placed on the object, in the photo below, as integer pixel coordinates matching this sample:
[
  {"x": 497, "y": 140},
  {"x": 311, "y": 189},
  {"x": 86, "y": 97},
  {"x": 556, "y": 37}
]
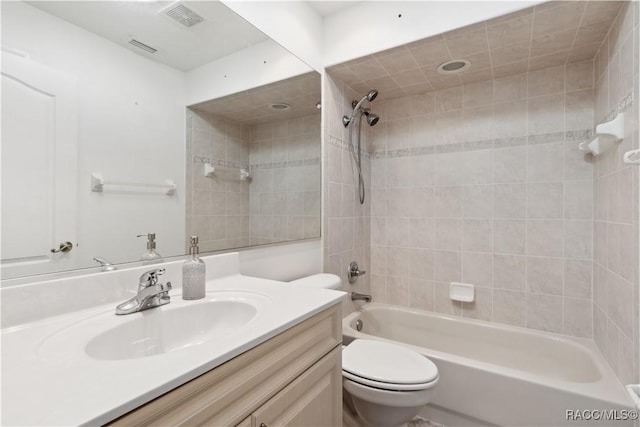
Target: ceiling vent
[
  {"x": 182, "y": 14},
  {"x": 142, "y": 46}
]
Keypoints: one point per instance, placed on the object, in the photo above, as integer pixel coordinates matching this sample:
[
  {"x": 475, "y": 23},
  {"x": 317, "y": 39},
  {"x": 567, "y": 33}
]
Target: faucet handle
[
  {"x": 353, "y": 272},
  {"x": 150, "y": 278}
]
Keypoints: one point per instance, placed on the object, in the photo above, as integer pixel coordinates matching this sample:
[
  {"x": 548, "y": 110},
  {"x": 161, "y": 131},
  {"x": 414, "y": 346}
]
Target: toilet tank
[{"x": 322, "y": 280}]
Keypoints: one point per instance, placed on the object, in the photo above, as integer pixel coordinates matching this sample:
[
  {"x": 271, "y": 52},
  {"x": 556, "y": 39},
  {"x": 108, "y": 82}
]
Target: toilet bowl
[{"x": 387, "y": 383}]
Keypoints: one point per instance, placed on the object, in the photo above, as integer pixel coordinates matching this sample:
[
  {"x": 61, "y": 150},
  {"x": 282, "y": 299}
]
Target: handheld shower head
[
  {"x": 372, "y": 119},
  {"x": 368, "y": 97},
  {"x": 356, "y": 107}
]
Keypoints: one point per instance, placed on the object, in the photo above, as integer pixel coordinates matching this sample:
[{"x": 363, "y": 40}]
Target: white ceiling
[
  {"x": 328, "y": 7},
  {"x": 221, "y": 33}
]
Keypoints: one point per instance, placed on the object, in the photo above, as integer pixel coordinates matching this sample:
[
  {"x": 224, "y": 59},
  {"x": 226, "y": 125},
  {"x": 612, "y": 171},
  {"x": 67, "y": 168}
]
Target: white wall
[
  {"x": 258, "y": 65},
  {"x": 293, "y": 24},
  {"x": 369, "y": 27},
  {"x": 284, "y": 262},
  {"x": 131, "y": 127}
]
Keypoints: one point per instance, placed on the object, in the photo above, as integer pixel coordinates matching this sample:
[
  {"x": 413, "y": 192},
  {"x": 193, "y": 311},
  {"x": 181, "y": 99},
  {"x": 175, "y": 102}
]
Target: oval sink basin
[
  {"x": 179, "y": 325},
  {"x": 157, "y": 332}
]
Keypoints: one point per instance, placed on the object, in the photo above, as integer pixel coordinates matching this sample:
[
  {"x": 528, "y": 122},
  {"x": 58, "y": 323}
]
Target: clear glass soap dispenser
[
  {"x": 150, "y": 256},
  {"x": 193, "y": 273}
]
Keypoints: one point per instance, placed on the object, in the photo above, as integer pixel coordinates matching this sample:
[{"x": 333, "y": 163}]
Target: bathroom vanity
[
  {"x": 252, "y": 352},
  {"x": 292, "y": 379}
]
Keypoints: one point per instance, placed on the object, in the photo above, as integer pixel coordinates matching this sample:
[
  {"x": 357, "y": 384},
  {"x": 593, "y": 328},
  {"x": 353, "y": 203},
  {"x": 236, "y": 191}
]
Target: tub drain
[{"x": 358, "y": 325}]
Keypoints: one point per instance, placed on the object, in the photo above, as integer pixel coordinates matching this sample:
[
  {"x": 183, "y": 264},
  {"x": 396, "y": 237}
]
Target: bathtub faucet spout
[{"x": 360, "y": 297}]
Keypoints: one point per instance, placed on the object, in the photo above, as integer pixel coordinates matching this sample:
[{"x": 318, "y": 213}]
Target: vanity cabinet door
[{"x": 313, "y": 399}]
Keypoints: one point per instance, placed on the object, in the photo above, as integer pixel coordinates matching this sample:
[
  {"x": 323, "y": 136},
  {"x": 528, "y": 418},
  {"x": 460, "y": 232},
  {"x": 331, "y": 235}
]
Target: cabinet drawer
[
  {"x": 314, "y": 399},
  {"x": 228, "y": 394}
]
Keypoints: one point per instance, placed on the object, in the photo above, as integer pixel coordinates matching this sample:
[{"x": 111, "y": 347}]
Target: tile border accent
[
  {"x": 337, "y": 142},
  {"x": 286, "y": 164},
  {"x": 623, "y": 105},
  {"x": 221, "y": 163},
  {"x": 547, "y": 138}
]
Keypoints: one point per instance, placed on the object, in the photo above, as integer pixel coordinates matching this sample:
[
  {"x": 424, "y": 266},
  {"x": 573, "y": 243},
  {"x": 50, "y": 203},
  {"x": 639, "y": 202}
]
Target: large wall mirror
[{"x": 103, "y": 139}]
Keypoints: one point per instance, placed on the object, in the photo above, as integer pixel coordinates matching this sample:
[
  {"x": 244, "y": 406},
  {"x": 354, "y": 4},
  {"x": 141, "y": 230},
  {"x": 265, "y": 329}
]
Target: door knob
[{"x": 64, "y": 247}]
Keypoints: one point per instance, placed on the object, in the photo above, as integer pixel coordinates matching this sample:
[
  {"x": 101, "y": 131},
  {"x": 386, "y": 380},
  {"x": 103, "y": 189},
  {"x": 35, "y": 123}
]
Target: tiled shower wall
[
  {"x": 346, "y": 221},
  {"x": 217, "y": 208},
  {"x": 284, "y": 201},
  {"x": 484, "y": 184},
  {"x": 616, "y": 201}
]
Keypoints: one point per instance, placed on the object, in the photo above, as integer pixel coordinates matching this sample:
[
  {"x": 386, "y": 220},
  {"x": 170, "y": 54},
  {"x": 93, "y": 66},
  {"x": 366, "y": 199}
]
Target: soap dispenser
[
  {"x": 193, "y": 273},
  {"x": 150, "y": 256}
]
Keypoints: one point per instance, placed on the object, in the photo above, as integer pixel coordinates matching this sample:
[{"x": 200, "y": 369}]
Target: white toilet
[{"x": 388, "y": 383}]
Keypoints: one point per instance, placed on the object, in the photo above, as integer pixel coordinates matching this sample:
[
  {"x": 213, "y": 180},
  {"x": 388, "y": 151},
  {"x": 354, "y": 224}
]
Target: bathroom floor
[
  {"x": 349, "y": 419},
  {"x": 422, "y": 422}
]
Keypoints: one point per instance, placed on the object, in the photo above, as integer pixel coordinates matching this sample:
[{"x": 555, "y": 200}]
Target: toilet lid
[{"x": 387, "y": 363}]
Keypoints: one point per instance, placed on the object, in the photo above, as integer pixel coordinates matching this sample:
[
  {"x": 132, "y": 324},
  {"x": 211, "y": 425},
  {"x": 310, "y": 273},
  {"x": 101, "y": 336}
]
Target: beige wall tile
[
  {"x": 546, "y": 114},
  {"x": 579, "y": 76},
  {"x": 509, "y": 307},
  {"x": 544, "y": 312},
  {"x": 448, "y": 234},
  {"x": 509, "y": 201},
  {"x": 578, "y": 317},
  {"x": 499, "y": 196},
  {"x": 510, "y": 165},
  {"x": 578, "y": 199},
  {"x": 512, "y": 88},
  {"x": 509, "y": 272},
  {"x": 482, "y": 307},
  {"x": 545, "y": 275},
  {"x": 442, "y": 302},
  {"x": 477, "y": 269},
  {"x": 421, "y": 294},
  {"x": 545, "y": 200},
  {"x": 545, "y": 82},
  {"x": 477, "y": 201},
  {"x": 579, "y": 109},
  {"x": 448, "y": 202},
  {"x": 509, "y": 236},
  {"x": 578, "y": 239},
  {"x": 448, "y": 266},
  {"x": 477, "y": 235},
  {"x": 545, "y": 162},
  {"x": 544, "y": 238},
  {"x": 577, "y": 279},
  {"x": 397, "y": 232}
]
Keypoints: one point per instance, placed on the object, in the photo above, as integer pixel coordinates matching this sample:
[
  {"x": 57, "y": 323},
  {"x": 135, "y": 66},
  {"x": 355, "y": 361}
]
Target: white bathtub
[{"x": 499, "y": 374}]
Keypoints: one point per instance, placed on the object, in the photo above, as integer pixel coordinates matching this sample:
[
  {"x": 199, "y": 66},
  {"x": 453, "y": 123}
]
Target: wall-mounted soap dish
[
  {"x": 462, "y": 292},
  {"x": 632, "y": 157},
  {"x": 606, "y": 136}
]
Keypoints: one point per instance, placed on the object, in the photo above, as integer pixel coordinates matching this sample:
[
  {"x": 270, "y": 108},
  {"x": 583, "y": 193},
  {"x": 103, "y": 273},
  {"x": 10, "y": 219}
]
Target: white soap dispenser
[
  {"x": 193, "y": 273},
  {"x": 150, "y": 256}
]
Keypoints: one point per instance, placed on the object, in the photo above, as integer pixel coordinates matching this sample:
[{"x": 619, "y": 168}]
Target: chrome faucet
[
  {"x": 360, "y": 297},
  {"x": 353, "y": 272},
  {"x": 107, "y": 266},
  {"x": 150, "y": 294}
]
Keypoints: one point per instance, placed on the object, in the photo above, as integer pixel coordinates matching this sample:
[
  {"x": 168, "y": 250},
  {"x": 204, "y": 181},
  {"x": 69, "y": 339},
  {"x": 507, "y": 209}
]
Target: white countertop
[{"x": 54, "y": 382}]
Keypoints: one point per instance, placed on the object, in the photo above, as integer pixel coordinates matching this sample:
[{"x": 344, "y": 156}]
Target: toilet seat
[
  {"x": 388, "y": 386},
  {"x": 387, "y": 366}
]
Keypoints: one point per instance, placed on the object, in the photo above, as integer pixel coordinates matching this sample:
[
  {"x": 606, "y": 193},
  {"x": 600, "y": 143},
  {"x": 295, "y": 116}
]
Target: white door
[{"x": 39, "y": 188}]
